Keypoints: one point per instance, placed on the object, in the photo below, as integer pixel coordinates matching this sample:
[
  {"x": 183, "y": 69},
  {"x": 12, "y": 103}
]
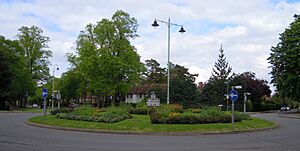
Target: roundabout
[{"x": 18, "y": 136}]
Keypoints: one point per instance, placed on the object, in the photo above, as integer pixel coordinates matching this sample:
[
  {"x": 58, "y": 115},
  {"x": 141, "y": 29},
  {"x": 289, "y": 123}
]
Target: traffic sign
[
  {"x": 44, "y": 93},
  {"x": 233, "y": 95}
]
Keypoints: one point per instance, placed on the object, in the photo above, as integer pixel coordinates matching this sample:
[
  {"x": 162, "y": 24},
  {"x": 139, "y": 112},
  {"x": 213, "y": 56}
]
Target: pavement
[{"x": 15, "y": 135}]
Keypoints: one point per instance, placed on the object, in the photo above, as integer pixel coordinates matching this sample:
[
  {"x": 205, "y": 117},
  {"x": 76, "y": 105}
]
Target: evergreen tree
[
  {"x": 285, "y": 62},
  {"x": 222, "y": 69},
  {"x": 215, "y": 88}
]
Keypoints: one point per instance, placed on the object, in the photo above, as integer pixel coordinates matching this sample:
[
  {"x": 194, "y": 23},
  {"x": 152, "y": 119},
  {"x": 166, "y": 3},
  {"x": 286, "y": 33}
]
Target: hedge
[{"x": 206, "y": 116}]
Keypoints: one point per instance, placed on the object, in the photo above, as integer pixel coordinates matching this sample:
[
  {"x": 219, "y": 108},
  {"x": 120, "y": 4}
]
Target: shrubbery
[
  {"x": 211, "y": 115},
  {"x": 111, "y": 115},
  {"x": 62, "y": 110}
]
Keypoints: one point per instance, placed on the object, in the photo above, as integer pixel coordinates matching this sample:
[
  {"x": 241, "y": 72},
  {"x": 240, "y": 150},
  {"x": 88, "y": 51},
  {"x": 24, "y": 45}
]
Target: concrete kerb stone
[
  {"x": 289, "y": 116},
  {"x": 148, "y": 133}
]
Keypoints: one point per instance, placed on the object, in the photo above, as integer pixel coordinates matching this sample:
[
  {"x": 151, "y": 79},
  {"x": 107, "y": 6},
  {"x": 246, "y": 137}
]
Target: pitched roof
[{"x": 148, "y": 87}]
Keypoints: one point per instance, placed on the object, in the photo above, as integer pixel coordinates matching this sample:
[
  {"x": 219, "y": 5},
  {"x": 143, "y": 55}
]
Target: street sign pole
[
  {"x": 45, "y": 108},
  {"x": 232, "y": 112},
  {"x": 233, "y": 97},
  {"x": 44, "y": 94}
]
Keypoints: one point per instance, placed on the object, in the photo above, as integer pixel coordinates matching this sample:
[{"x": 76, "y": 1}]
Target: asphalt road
[{"x": 15, "y": 135}]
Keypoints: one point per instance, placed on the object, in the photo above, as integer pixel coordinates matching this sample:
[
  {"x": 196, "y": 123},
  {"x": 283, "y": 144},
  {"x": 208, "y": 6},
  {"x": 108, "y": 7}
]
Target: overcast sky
[{"x": 246, "y": 28}]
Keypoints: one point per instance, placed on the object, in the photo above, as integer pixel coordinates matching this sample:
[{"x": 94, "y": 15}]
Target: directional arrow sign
[
  {"x": 233, "y": 95},
  {"x": 44, "y": 93}
]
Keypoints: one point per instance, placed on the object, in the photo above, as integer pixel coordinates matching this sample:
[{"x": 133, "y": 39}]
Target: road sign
[
  {"x": 44, "y": 93},
  {"x": 233, "y": 95}
]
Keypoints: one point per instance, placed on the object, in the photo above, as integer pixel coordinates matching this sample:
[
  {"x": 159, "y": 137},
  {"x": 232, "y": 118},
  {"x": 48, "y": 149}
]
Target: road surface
[{"x": 15, "y": 135}]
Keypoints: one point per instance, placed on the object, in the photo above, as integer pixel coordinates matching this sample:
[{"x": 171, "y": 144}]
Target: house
[{"x": 137, "y": 94}]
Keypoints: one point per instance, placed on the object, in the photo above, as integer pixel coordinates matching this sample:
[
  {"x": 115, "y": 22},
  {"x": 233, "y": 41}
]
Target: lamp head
[
  {"x": 238, "y": 87},
  {"x": 181, "y": 30},
  {"x": 155, "y": 24}
]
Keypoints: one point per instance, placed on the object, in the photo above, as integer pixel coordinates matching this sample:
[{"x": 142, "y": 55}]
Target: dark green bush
[
  {"x": 211, "y": 115},
  {"x": 112, "y": 114},
  {"x": 62, "y": 110}
]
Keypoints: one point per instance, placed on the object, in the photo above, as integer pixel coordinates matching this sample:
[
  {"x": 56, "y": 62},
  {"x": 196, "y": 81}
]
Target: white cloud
[{"x": 247, "y": 29}]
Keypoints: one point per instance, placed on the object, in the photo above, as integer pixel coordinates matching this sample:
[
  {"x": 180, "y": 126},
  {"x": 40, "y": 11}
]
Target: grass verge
[{"x": 141, "y": 123}]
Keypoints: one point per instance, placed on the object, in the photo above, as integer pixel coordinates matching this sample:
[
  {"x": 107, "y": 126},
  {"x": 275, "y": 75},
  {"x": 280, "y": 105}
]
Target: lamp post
[
  {"x": 53, "y": 85},
  {"x": 245, "y": 100},
  {"x": 169, "y": 24}
]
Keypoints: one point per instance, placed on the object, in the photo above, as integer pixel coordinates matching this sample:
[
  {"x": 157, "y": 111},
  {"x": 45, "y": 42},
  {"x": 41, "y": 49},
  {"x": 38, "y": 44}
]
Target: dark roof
[{"x": 146, "y": 88}]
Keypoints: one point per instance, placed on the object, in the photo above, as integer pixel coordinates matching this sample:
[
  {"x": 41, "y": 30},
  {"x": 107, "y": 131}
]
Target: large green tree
[
  {"x": 35, "y": 49},
  {"x": 105, "y": 56},
  {"x": 155, "y": 73},
  {"x": 285, "y": 62},
  {"x": 183, "y": 89},
  {"x": 15, "y": 80}
]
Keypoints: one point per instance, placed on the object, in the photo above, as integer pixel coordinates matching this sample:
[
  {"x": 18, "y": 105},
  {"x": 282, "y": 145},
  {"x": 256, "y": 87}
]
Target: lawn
[{"x": 141, "y": 123}]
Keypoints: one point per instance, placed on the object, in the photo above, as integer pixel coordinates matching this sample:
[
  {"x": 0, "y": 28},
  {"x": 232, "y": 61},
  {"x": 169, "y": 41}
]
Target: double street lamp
[{"x": 169, "y": 24}]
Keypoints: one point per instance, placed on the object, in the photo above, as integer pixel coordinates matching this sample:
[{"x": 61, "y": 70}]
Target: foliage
[
  {"x": 222, "y": 69},
  {"x": 258, "y": 88},
  {"x": 35, "y": 50},
  {"x": 15, "y": 80},
  {"x": 215, "y": 88},
  {"x": 211, "y": 115},
  {"x": 70, "y": 83},
  {"x": 155, "y": 73},
  {"x": 285, "y": 62},
  {"x": 111, "y": 114},
  {"x": 61, "y": 110},
  {"x": 183, "y": 89},
  {"x": 105, "y": 57},
  {"x": 85, "y": 111},
  {"x": 141, "y": 123}
]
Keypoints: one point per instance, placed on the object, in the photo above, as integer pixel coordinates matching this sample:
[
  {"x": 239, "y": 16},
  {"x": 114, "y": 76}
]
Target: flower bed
[
  {"x": 111, "y": 115},
  {"x": 212, "y": 115}
]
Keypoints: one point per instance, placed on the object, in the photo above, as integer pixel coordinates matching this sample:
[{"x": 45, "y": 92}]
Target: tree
[
  {"x": 221, "y": 70},
  {"x": 215, "y": 88},
  {"x": 183, "y": 89},
  {"x": 155, "y": 74},
  {"x": 35, "y": 50},
  {"x": 108, "y": 61},
  {"x": 285, "y": 62},
  {"x": 258, "y": 88},
  {"x": 15, "y": 81}
]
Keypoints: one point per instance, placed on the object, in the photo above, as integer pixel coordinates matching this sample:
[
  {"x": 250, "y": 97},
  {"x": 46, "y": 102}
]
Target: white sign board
[{"x": 153, "y": 102}]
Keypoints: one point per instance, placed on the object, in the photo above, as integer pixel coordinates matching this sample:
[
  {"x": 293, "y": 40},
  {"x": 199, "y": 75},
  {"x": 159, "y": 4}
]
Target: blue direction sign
[
  {"x": 44, "y": 93},
  {"x": 233, "y": 95}
]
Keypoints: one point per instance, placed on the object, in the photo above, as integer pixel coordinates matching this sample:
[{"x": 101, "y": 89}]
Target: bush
[
  {"x": 111, "y": 115},
  {"x": 85, "y": 111},
  {"x": 211, "y": 115},
  {"x": 62, "y": 110}
]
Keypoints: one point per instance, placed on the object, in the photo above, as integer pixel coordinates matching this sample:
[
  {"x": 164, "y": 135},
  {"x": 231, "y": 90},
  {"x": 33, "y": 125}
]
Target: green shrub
[
  {"x": 85, "y": 111},
  {"x": 211, "y": 115},
  {"x": 111, "y": 115},
  {"x": 62, "y": 110}
]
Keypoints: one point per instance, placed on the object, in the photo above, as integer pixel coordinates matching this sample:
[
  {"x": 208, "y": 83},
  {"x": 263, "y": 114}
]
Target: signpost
[
  {"x": 233, "y": 97},
  {"x": 152, "y": 101},
  {"x": 45, "y": 94}
]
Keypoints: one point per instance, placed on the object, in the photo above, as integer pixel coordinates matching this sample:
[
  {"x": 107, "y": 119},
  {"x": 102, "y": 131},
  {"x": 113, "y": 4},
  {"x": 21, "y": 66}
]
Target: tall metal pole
[
  {"x": 245, "y": 99},
  {"x": 168, "y": 91},
  {"x": 44, "y": 108},
  {"x": 53, "y": 89},
  {"x": 232, "y": 109},
  {"x": 227, "y": 97}
]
